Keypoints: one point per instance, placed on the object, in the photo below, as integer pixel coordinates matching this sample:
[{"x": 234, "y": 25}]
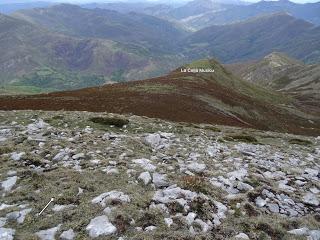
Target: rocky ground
[{"x": 128, "y": 177}]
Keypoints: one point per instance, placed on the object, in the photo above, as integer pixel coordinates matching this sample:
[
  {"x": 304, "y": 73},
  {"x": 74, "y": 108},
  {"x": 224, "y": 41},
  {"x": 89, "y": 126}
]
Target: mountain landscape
[
  {"x": 98, "y": 46},
  {"x": 175, "y": 120},
  {"x": 235, "y": 13},
  {"x": 255, "y": 38},
  {"x": 279, "y": 72},
  {"x": 29, "y": 50},
  {"x": 219, "y": 98}
]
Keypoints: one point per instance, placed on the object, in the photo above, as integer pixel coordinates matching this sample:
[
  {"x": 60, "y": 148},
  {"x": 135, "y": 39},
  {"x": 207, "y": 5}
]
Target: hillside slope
[
  {"x": 256, "y": 38},
  {"x": 28, "y": 50},
  {"x": 218, "y": 97},
  {"x": 279, "y": 72}
]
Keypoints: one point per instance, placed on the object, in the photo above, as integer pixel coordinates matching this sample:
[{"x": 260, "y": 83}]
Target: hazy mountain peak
[{"x": 277, "y": 59}]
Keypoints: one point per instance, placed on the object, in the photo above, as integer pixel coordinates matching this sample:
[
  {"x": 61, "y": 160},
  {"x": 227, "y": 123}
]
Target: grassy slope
[{"x": 218, "y": 98}]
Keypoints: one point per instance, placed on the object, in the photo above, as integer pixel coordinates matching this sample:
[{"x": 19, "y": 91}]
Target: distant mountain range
[
  {"x": 43, "y": 47},
  {"x": 235, "y": 13},
  {"x": 255, "y": 38},
  {"x": 29, "y": 50},
  {"x": 199, "y": 14}
]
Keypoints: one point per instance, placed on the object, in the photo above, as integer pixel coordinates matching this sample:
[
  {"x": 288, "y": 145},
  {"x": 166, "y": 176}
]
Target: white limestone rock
[
  {"x": 145, "y": 164},
  {"x": 241, "y": 236},
  {"x": 48, "y": 234},
  {"x": 100, "y": 226},
  {"x": 68, "y": 235},
  {"x": 159, "y": 180},
  {"x": 196, "y": 167},
  {"x": 145, "y": 177},
  {"x": 311, "y": 199},
  {"x": 8, "y": 184},
  {"x": 17, "y": 156},
  {"x": 7, "y": 233},
  {"x": 111, "y": 197}
]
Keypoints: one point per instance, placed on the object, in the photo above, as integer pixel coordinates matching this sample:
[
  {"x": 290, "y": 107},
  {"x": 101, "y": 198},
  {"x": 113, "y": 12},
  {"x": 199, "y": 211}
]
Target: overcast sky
[{"x": 82, "y": 1}]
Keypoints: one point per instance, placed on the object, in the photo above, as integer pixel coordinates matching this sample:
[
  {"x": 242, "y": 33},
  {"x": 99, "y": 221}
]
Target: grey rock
[
  {"x": 19, "y": 216},
  {"x": 242, "y": 236},
  {"x": 314, "y": 235},
  {"x": 168, "y": 221},
  {"x": 238, "y": 174},
  {"x": 311, "y": 199},
  {"x": 190, "y": 218},
  {"x": 260, "y": 202},
  {"x": 150, "y": 228},
  {"x": 48, "y": 234},
  {"x": 2, "y": 221},
  {"x": 7, "y": 233},
  {"x": 145, "y": 177},
  {"x": 196, "y": 167},
  {"x": 100, "y": 226},
  {"x": 111, "y": 197},
  {"x": 154, "y": 140},
  {"x": 244, "y": 187},
  {"x": 145, "y": 164},
  {"x": 205, "y": 227},
  {"x": 159, "y": 180},
  {"x": 17, "y": 156},
  {"x": 68, "y": 235},
  {"x": 274, "y": 208},
  {"x": 299, "y": 231},
  {"x": 172, "y": 193},
  {"x": 8, "y": 184},
  {"x": 78, "y": 156}
]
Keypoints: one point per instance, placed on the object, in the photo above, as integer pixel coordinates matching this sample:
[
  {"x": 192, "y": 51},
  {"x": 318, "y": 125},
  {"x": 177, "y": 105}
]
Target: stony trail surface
[{"x": 128, "y": 177}]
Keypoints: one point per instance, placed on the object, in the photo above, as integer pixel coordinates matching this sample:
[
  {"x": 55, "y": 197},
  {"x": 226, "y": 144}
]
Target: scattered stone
[
  {"x": 17, "y": 156},
  {"x": 7, "y": 233},
  {"x": 19, "y": 216},
  {"x": 159, "y": 180},
  {"x": 111, "y": 197},
  {"x": 242, "y": 236},
  {"x": 145, "y": 164},
  {"x": 311, "y": 199},
  {"x": 314, "y": 235},
  {"x": 145, "y": 177},
  {"x": 196, "y": 167},
  {"x": 68, "y": 235},
  {"x": 2, "y": 221},
  {"x": 260, "y": 202},
  {"x": 300, "y": 231},
  {"x": 274, "y": 208},
  {"x": 100, "y": 226},
  {"x": 48, "y": 234},
  {"x": 78, "y": 156},
  {"x": 59, "y": 208},
  {"x": 190, "y": 218},
  {"x": 8, "y": 184},
  {"x": 150, "y": 228},
  {"x": 154, "y": 140},
  {"x": 168, "y": 222}
]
